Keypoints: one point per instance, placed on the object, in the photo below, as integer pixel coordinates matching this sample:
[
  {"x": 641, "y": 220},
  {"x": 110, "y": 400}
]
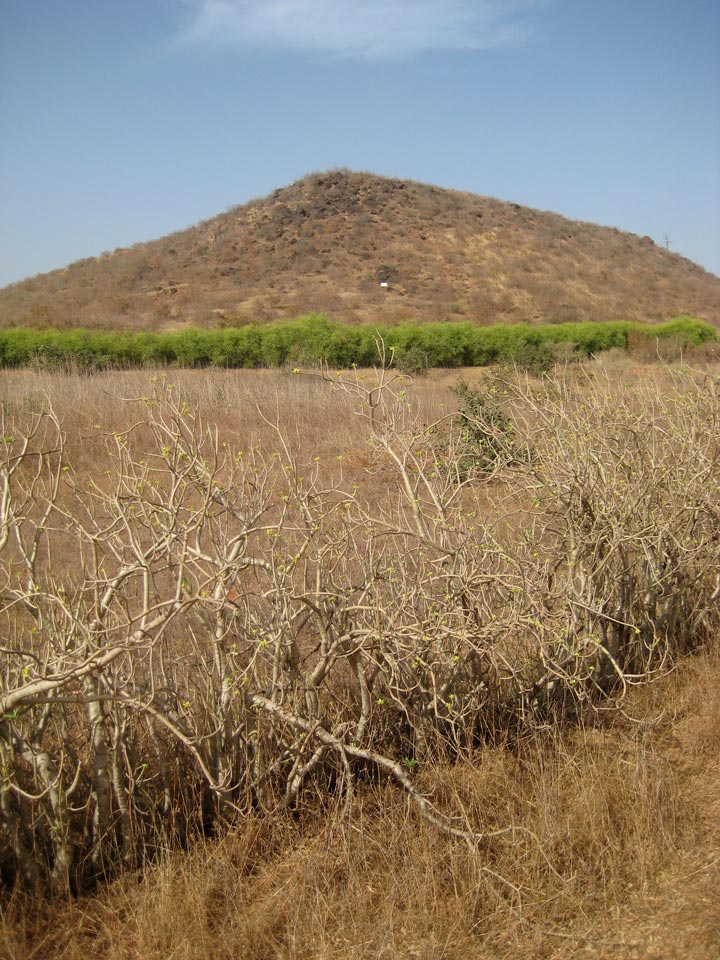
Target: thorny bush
[{"x": 203, "y": 630}]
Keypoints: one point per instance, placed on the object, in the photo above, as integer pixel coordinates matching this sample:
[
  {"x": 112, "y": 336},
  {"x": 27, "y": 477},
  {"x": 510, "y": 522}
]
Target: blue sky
[{"x": 123, "y": 120}]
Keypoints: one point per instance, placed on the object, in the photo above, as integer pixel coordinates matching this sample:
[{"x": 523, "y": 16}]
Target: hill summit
[{"x": 366, "y": 248}]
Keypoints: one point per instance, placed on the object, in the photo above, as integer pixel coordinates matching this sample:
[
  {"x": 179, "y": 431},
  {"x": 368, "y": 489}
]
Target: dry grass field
[{"x": 296, "y": 666}]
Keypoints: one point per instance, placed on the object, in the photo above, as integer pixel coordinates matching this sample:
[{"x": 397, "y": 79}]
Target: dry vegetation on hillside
[
  {"x": 451, "y": 681},
  {"x": 325, "y": 243}
]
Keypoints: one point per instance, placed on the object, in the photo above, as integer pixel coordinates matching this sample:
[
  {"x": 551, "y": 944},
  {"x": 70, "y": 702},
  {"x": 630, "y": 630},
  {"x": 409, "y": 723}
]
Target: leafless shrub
[{"x": 228, "y": 630}]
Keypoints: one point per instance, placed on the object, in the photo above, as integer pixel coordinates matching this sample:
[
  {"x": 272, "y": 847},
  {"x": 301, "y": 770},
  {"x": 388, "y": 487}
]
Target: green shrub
[
  {"x": 485, "y": 431},
  {"x": 412, "y": 360},
  {"x": 535, "y": 357}
]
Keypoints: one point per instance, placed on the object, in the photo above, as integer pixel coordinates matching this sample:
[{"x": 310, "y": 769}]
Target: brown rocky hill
[{"x": 366, "y": 248}]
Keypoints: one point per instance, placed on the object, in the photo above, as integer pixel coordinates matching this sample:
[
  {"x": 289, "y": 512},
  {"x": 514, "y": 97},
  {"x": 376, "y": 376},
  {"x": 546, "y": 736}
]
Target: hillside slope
[{"x": 362, "y": 247}]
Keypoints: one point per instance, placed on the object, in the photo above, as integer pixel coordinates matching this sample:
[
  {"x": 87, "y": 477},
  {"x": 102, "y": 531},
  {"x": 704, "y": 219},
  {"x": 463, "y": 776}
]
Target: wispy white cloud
[{"x": 371, "y": 29}]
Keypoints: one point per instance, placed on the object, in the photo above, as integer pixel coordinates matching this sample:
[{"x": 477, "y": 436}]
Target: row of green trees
[{"x": 315, "y": 338}]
